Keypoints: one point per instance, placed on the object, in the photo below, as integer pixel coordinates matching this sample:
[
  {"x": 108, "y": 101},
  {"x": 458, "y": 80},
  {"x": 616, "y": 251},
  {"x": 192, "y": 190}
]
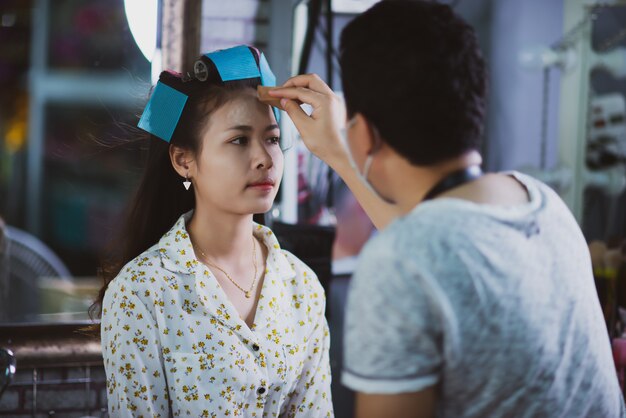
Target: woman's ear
[{"x": 182, "y": 161}]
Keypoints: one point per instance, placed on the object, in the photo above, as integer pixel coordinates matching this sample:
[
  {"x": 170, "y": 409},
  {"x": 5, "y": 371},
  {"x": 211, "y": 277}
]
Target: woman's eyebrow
[{"x": 250, "y": 128}]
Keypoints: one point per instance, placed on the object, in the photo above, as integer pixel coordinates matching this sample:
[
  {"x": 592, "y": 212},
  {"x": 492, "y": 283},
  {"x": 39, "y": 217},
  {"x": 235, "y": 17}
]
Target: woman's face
[{"x": 240, "y": 164}]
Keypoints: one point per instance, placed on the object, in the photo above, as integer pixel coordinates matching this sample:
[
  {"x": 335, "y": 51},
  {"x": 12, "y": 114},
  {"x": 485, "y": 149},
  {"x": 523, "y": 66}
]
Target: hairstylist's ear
[
  {"x": 364, "y": 136},
  {"x": 182, "y": 160}
]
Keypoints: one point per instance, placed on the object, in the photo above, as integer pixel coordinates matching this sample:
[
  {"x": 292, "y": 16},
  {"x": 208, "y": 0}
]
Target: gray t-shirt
[{"x": 496, "y": 305}]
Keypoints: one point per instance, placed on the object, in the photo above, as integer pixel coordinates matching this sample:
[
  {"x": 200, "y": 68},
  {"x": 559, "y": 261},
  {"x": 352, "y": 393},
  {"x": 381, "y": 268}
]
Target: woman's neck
[{"x": 221, "y": 237}]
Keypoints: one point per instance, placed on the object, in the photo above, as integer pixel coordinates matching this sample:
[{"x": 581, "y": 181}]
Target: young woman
[{"x": 203, "y": 314}]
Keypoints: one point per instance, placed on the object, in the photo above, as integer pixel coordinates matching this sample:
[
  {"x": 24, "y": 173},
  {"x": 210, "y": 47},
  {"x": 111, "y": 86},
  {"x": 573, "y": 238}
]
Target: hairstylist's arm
[
  {"x": 404, "y": 405},
  {"x": 321, "y": 134}
]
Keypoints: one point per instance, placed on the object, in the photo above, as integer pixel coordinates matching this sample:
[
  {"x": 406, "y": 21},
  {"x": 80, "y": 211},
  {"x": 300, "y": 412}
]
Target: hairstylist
[{"x": 477, "y": 299}]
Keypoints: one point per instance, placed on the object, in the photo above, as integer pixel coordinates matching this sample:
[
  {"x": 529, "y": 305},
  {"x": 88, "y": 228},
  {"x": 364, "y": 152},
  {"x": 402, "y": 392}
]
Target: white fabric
[{"x": 170, "y": 334}]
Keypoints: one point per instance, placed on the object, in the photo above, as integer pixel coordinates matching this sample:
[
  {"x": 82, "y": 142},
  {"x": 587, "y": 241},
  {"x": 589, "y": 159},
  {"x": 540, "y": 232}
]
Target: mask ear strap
[
  {"x": 367, "y": 166},
  {"x": 378, "y": 142}
]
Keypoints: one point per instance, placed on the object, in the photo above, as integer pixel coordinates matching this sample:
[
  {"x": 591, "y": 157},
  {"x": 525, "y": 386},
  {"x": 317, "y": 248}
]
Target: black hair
[
  {"x": 415, "y": 71},
  {"x": 160, "y": 198}
]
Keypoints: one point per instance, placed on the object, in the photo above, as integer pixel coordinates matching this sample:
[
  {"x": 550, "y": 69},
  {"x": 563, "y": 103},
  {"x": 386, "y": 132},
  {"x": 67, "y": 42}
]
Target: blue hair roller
[
  {"x": 163, "y": 111},
  {"x": 166, "y": 104},
  {"x": 236, "y": 63}
]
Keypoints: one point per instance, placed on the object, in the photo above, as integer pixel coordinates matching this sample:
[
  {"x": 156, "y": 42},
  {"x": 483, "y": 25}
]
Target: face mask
[{"x": 368, "y": 161}]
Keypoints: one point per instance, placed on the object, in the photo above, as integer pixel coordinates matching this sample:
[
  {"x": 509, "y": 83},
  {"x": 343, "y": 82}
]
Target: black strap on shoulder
[{"x": 454, "y": 179}]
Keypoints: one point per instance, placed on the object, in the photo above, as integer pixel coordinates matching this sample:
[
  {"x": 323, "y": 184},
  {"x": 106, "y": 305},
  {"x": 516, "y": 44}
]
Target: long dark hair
[{"x": 160, "y": 198}]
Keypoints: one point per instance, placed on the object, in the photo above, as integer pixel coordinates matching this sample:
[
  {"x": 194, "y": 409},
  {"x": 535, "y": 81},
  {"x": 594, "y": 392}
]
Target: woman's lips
[{"x": 262, "y": 185}]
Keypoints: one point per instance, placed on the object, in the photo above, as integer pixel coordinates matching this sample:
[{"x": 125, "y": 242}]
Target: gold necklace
[{"x": 245, "y": 292}]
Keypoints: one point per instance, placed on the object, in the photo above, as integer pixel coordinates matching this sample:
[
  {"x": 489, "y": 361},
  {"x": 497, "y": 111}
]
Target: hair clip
[{"x": 200, "y": 70}]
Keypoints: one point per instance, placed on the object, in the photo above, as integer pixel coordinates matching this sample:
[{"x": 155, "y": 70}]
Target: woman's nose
[{"x": 262, "y": 156}]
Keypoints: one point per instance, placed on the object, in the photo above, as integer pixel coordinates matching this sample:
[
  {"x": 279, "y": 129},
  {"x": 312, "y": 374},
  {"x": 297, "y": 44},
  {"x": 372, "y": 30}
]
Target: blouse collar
[{"x": 177, "y": 254}]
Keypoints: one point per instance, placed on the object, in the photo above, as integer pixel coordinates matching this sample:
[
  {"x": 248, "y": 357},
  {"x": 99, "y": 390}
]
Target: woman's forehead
[{"x": 243, "y": 109}]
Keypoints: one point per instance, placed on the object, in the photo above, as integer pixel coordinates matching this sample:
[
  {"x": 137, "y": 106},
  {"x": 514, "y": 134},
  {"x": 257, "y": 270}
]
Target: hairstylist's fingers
[
  {"x": 295, "y": 112},
  {"x": 301, "y": 94},
  {"x": 310, "y": 81}
]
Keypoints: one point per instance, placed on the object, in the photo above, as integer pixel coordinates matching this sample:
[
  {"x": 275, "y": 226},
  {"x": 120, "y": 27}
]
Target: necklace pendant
[{"x": 247, "y": 295}]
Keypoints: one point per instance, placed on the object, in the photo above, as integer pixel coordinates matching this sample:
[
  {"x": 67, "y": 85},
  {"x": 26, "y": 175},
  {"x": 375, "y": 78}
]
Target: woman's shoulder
[
  {"x": 301, "y": 278},
  {"x": 286, "y": 262},
  {"x": 141, "y": 269},
  {"x": 297, "y": 267},
  {"x": 287, "y": 266}
]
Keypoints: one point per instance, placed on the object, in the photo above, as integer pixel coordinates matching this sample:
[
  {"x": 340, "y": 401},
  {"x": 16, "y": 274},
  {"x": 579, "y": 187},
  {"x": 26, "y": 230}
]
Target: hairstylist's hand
[{"x": 321, "y": 131}]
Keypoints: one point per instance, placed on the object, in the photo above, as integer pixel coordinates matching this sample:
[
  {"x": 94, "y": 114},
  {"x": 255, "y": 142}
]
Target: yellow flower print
[{"x": 195, "y": 355}]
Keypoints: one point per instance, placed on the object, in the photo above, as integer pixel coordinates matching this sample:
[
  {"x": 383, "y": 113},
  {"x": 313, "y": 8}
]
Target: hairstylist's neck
[
  {"x": 409, "y": 183},
  {"x": 221, "y": 236}
]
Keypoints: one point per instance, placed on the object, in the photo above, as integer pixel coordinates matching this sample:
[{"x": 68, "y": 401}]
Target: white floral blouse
[{"x": 174, "y": 345}]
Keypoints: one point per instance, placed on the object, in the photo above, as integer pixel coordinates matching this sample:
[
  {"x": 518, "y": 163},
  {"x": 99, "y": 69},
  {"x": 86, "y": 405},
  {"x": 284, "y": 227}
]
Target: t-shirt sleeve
[{"x": 393, "y": 336}]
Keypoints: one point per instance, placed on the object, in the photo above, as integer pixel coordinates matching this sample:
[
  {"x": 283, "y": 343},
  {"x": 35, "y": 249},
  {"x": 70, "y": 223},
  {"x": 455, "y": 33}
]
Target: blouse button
[
  {"x": 255, "y": 347},
  {"x": 261, "y": 390}
]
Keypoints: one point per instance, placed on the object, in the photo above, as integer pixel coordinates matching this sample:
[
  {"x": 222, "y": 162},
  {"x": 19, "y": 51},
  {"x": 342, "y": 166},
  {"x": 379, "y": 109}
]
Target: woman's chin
[
  {"x": 248, "y": 205},
  {"x": 262, "y": 206}
]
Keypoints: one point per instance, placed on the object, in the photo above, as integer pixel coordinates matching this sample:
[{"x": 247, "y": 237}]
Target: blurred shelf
[
  {"x": 79, "y": 87},
  {"x": 87, "y": 80}
]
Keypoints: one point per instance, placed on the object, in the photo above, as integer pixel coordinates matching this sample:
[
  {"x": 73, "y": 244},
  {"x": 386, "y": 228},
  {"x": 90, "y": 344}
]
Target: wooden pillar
[{"x": 180, "y": 33}]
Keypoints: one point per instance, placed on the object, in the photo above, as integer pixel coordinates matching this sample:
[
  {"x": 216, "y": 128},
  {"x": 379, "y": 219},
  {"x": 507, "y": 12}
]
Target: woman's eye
[
  {"x": 275, "y": 140},
  {"x": 242, "y": 140}
]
